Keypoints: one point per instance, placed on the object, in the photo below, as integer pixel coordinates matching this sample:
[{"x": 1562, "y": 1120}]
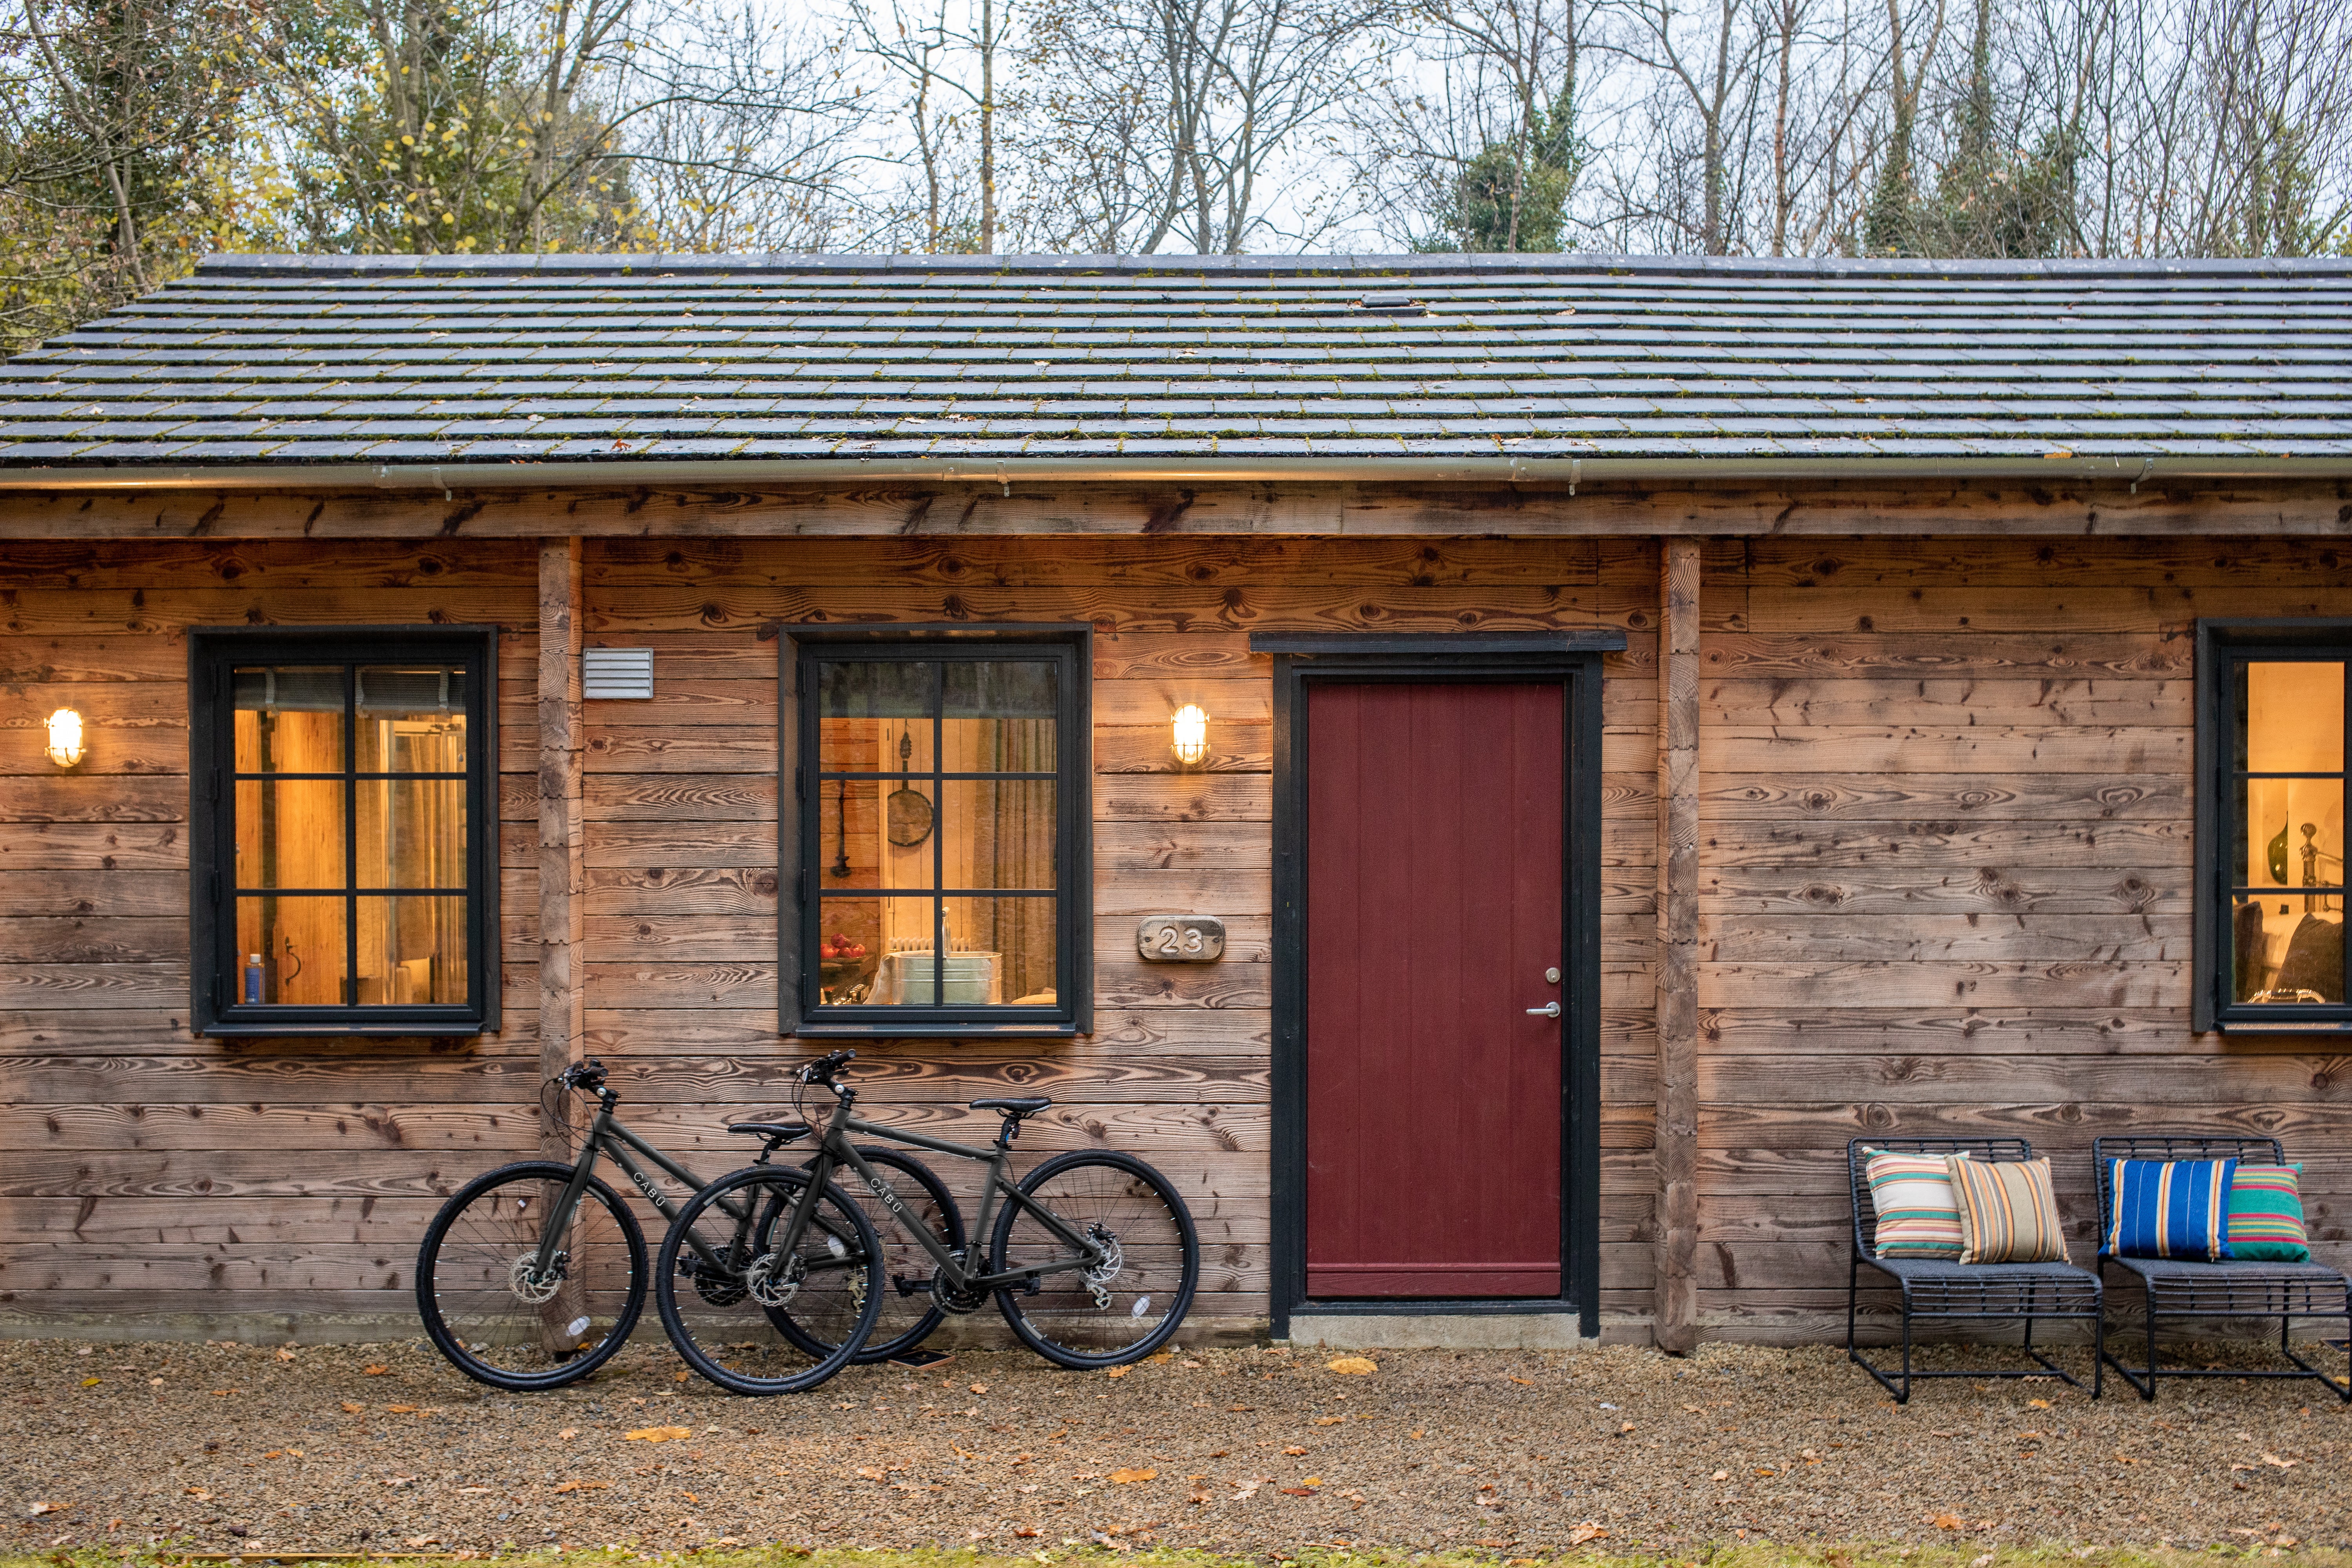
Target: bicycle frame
[
  {"x": 607, "y": 1136},
  {"x": 836, "y": 1151}
]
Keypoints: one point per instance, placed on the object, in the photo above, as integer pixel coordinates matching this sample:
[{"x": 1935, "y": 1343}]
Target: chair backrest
[
  {"x": 1857, "y": 1164},
  {"x": 2170, "y": 1146}
]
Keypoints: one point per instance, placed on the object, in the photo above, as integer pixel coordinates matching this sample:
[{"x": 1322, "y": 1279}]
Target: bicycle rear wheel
[
  {"x": 907, "y": 1316},
  {"x": 724, "y": 1311},
  {"x": 1124, "y": 1309},
  {"x": 486, "y": 1307}
]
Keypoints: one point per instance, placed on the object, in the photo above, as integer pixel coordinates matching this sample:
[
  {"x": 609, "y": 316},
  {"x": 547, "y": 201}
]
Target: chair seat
[
  {"x": 2251, "y": 1271},
  {"x": 782, "y": 1131},
  {"x": 1027, "y": 1106},
  {"x": 1943, "y": 1271}
]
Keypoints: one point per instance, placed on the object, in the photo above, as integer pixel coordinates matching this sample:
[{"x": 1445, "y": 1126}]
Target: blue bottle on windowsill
[{"x": 253, "y": 979}]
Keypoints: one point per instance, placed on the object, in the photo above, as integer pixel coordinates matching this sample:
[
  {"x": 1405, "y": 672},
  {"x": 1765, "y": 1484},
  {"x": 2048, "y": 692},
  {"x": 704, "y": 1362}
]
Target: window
[
  {"x": 344, "y": 869},
  {"x": 940, "y": 864},
  {"x": 2270, "y": 824}
]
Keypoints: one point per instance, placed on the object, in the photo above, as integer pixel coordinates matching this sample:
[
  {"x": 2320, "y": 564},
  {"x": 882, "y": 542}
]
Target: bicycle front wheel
[
  {"x": 726, "y": 1283},
  {"x": 1124, "y": 1306},
  {"x": 489, "y": 1307}
]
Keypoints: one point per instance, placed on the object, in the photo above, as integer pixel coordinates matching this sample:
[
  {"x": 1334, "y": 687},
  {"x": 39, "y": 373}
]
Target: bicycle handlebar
[
  {"x": 588, "y": 1075},
  {"x": 822, "y": 1069}
]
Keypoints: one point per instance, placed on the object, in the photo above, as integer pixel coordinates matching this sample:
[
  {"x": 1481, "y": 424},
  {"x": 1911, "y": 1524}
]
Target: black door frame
[{"x": 1572, "y": 658}]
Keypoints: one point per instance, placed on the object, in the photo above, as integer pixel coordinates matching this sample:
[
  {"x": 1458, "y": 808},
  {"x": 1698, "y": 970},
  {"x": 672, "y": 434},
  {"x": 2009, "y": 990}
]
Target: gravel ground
[{"x": 338, "y": 1448}]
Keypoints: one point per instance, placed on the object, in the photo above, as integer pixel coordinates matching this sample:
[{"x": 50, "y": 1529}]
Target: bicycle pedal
[{"x": 909, "y": 1287}]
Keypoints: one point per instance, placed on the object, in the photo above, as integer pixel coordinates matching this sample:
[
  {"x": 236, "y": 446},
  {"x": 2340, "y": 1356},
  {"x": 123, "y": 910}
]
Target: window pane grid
[
  {"x": 417, "y": 938},
  {"x": 899, "y": 922},
  {"x": 2283, "y": 874}
]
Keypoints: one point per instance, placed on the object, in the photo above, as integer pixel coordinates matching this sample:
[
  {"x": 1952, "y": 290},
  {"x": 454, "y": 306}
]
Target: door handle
[{"x": 1548, "y": 1010}]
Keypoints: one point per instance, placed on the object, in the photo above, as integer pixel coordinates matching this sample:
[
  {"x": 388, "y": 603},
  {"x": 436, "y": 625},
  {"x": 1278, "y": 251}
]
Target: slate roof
[{"x": 267, "y": 361}]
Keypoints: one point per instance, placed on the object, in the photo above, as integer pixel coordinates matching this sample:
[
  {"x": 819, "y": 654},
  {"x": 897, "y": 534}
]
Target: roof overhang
[{"x": 828, "y": 472}]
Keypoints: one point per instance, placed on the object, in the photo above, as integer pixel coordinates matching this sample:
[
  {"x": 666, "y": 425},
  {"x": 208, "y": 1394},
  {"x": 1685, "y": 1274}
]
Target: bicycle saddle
[
  {"x": 1027, "y": 1106},
  {"x": 782, "y": 1131}
]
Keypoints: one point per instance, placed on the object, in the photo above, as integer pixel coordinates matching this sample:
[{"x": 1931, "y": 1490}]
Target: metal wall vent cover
[{"x": 622, "y": 673}]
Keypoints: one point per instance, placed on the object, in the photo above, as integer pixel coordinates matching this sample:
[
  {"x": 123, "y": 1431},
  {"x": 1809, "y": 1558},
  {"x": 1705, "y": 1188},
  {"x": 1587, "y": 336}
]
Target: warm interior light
[
  {"x": 1191, "y": 735},
  {"x": 65, "y": 737}
]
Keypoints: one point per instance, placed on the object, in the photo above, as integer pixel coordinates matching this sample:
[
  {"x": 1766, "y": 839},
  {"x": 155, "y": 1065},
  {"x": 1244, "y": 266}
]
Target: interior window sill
[{"x": 2285, "y": 1026}]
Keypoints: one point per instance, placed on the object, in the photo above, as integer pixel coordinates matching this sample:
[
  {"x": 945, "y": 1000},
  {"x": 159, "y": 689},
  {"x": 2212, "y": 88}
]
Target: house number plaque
[{"x": 1180, "y": 939}]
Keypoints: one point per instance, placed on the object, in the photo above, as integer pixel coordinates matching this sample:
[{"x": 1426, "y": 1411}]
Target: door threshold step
[{"x": 1439, "y": 1331}]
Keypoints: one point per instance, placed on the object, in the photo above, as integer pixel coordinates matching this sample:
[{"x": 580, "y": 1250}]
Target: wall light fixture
[
  {"x": 1191, "y": 728},
  {"x": 65, "y": 737}
]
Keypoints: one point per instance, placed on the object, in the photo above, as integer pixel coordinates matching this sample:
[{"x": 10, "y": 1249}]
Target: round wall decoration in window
[{"x": 909, "y": 813}]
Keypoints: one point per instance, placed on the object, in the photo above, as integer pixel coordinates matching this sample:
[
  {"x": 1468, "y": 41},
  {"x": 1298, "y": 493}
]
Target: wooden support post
[
  {"x": 1677, "y": 1310},
  {"x": 562, "y": 978}
]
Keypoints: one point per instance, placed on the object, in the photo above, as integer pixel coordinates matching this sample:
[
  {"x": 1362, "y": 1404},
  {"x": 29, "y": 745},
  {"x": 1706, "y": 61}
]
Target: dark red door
[{"x": 1433, "y": 912}]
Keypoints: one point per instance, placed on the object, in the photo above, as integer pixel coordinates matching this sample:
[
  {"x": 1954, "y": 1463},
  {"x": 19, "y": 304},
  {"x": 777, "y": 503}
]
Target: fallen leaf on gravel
[
  {"x": 1419, "y": 1433},
  {"x": 1239, "y": 1409},
  {"x": 424, "y": 1540},
  {"x": 1586, "y": 1532},
  {"x": 1118, "y": 1371},
  {"x": 1298, "y": 1491},
  {"x": 1721, "y": 1476},
  {"x": 200, "y": 1494},
  {"x": 1330, "y": 1420},
  {"x": 1129, "y": 1478},
  {"x": 681, "y": 1377},
  {"x": 569, "y": 1432},
  {"x": 869, "y": 1472},
  {"x": 351, "y": 1409},
  {"x": 377, "y": 1371},
  {"x": 1352, "y": 1365},
  {"x": 39, "y": 1509},
  {"x": 1161, "y": 1355},
  {"x": 1625, "y": 1428},
  {"x": 1027, "y": 1532},
  {"x": 583, "y": 1486},
  {"x": 1522, "y": 1381},
  {"x": 1312, "y": 1481},
  {"x": 284, "y": 1354},
  {"x": 402, "y": 1409},
  {"x": 1949, "y": 1521},
  {"x": 1294, "y": 1450},
  {"x": 2037, "y": 1404},
  {"x": 1761, "y": 1471},
  {"x": 2277, "y": 1463},
  {"x": 225, "y": 1393},
  {"x": 980, "y": 1388},
  {"x": 92, "y": 1382},
  {"x": 657, "y": 1435}
]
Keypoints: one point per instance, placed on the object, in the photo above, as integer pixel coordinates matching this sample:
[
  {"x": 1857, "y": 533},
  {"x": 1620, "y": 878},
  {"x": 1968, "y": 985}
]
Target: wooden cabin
[{"x": 1489, "y": 770}]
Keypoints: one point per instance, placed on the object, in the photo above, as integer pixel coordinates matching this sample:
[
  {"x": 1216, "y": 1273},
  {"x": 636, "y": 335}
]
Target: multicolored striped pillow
[
  {"x": 1918, "y": 1213},
  {"x": 2266, "y": 1222},
  {"x": 2009, "y": 1213},
  {"x": 2170, "y": 1208}
]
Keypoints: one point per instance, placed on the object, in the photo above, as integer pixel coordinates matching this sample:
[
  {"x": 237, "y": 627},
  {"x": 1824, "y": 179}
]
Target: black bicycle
[
  {"x": 1092, "y": 1257},
  {"x": 533, "y": 1275}
]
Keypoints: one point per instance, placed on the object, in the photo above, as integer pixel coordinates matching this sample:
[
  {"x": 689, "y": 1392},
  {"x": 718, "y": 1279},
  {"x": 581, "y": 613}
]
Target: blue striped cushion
[{"x": 2170, "y": 1208}]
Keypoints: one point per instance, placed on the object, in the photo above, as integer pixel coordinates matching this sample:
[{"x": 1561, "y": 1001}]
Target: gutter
[{"x": 736, "y": 474}]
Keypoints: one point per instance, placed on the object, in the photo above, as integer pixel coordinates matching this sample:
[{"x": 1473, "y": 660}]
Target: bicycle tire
[
  {"x": 1159, "y": 1262},
  {"x": 726, "y": 1308},
  {"x": 904, "y": 1334},
  {"x": 484, "y": 1267}
]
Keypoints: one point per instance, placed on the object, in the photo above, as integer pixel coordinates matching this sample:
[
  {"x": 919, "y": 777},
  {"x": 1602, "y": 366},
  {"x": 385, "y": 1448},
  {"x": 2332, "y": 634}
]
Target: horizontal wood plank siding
[
  {"x": 1945, "y": 881},
  {"x": 1944, "y": 858}
]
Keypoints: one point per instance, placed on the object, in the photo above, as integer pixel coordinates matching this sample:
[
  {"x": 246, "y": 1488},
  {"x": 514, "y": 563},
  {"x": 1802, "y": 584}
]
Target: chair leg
[
  {"x": 2148, "y": 1308},
  {"x": 1905, "y": 1397},
  {"x": 2099, "y": 1347}
]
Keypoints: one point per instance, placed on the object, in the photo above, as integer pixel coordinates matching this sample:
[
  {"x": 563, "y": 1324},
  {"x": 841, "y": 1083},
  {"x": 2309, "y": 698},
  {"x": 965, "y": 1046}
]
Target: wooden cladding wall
[
  {"x": 252, "y": 1182},
  {"x": 221, "y": 1185},
  {"x": 1944, "y": 874}
]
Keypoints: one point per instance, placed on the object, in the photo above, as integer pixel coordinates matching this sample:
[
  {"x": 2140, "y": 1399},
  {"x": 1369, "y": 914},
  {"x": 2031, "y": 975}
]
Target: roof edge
[
  {"x": 230, "y": 263},
  {"x": 448, "y": 478}
]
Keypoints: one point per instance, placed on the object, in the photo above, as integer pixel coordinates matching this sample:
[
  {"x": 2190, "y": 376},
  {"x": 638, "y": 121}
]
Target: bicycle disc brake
[
  {"x": 1099, "y": 1275},
  {"x": 762, "y": 1282},
  {"x": 951, "y": 1299},
  {"x": 529, "y": 1285}
]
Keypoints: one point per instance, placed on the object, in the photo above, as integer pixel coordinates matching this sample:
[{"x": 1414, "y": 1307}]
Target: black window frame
[
  {"x": 2222, "y": 647},
  {"x": 213, "y": 970},
  {"x": 801, "y": 862}
]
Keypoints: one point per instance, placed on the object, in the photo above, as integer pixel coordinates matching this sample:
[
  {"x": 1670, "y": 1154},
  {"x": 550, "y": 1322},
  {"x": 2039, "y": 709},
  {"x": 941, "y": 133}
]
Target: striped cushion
[
  {"x": 2008, "y": 1212},
  {"x": 2170, "y": 1208},
  {"x": 1918, "y": 1215},
  {"x": 2266, "y": 1221}
]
